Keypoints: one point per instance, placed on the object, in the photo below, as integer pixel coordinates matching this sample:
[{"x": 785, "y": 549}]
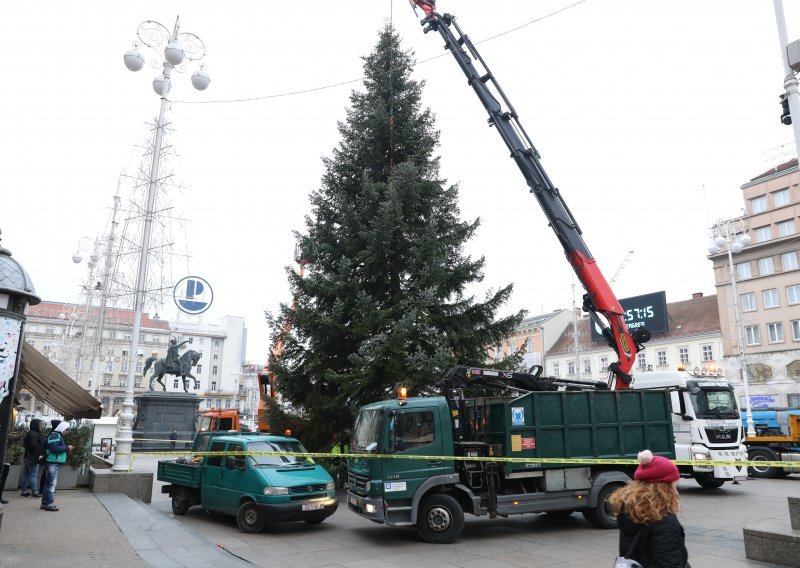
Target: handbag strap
[{"x": 634, "y": 542}]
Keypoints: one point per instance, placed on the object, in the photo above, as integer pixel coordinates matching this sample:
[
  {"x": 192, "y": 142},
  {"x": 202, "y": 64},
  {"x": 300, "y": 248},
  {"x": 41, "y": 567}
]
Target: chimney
[{"x": 697, "y": 295}]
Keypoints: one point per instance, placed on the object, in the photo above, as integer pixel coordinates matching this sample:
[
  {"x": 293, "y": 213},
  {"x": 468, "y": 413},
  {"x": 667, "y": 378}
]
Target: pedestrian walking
[
  {"x": 57, "y": 450},
  {"x": 649, "y": 530},
  {"x": 34, "y": 444},
  {"x": 172, "y": 438}
]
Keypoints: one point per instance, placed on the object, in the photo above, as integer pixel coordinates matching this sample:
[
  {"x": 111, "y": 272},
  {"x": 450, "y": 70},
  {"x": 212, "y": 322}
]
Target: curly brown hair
[{"x": 644, "y": 502}]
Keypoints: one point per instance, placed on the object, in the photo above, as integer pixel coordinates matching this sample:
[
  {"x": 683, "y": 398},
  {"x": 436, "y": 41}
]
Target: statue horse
[{"x": 185, "y": 363}]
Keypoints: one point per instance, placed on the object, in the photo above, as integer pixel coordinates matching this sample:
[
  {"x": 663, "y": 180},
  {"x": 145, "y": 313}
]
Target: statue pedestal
[{"x": 158, "y": 414}]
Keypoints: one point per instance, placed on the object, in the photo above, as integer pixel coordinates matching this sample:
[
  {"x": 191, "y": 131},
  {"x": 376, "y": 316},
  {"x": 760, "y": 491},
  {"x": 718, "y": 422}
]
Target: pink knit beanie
[{"x": 655, "y": 469}]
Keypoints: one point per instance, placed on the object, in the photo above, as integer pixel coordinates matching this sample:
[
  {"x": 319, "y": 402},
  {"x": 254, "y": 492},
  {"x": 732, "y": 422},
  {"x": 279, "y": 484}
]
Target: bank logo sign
[{"x": 193, "y": 295}]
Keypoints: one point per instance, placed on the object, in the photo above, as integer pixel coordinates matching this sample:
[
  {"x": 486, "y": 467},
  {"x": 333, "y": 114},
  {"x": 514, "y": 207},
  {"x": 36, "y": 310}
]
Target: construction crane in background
[
  {"x": 621, "y": 266},
  {"x": 266, "y": 381}
]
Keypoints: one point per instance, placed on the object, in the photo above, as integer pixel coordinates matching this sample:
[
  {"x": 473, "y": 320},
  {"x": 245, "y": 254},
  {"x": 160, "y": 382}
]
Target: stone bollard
[
  {"x": 794, "y": 512},
  {"x": 775, "y": 544}
]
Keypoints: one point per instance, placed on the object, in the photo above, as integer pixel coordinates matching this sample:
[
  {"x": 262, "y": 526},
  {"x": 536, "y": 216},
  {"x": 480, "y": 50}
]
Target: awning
[{"x": 51, "y": 385}]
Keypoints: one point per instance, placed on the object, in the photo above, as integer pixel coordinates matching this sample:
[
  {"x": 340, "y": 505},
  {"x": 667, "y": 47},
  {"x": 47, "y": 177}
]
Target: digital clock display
[{"x": 648, "y": 311}]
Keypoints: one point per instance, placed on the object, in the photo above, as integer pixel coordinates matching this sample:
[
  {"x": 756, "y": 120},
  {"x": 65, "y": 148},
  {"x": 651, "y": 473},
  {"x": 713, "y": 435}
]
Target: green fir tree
[{"x": 384, "y": 300}]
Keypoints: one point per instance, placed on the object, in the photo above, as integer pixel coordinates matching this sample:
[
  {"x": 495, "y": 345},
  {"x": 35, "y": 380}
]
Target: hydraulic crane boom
[{"x": 599, "y": 299}]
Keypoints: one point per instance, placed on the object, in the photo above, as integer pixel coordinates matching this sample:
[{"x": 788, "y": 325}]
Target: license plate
[{"x": 313, "y": 506}]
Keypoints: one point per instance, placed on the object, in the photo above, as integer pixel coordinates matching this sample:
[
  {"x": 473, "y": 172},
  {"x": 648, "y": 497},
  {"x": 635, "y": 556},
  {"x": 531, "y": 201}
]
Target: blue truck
[{"x": 777, "y": 439}]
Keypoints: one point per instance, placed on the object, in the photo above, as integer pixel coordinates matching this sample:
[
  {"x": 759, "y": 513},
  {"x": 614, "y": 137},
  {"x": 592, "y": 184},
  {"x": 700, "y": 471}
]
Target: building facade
[
  {"x": 67, "y": 335},
  {"x": 693, "y": 342},
  {"x": 533, "y": 337},
  {"x": 767, "y": 274}
]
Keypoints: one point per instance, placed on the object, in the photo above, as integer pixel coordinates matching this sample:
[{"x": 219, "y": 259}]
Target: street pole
[
  {"x": 179, "y": 46},
  {"x": 790, "y": 82}
]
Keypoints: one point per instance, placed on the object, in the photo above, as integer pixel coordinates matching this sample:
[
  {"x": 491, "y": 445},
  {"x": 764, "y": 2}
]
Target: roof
[
  {"x": 687, "y": 318},
  {"x": 14, "y": 279},
  {"x": 52, "y": 310},
  {"x": 538, "y": 320},
  {"x": 53, "y": 386}
]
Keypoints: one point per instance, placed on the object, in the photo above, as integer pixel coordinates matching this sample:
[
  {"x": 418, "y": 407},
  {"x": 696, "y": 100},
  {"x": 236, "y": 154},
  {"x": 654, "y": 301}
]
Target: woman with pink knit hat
[{"x": 649, "y": 530}]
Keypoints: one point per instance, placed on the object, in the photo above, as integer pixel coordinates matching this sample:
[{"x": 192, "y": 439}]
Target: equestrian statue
[{"x": 172, "y": 364}]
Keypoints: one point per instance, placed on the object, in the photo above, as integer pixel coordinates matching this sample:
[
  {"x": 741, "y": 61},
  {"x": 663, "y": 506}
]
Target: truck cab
[
  {"x": 705, "y": 420},
  {"x": 249, "y": 476}
]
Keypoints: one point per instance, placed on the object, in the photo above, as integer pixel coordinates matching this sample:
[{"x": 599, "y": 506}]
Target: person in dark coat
[
  {"x": 34, "y": 456},
  {"x": 649, "y": 530}
]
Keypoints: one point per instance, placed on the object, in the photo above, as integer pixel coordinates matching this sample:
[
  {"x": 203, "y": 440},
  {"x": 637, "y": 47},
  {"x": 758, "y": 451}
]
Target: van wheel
[
  {"x": 249, "y": 518},
  {"x": 762, "y": 454},
  {"x": 602, "y": 515},
  {"x": 708, "y": 482},
  {"x": 440, "y": 519},
  {"x": 179, "y": 505}
]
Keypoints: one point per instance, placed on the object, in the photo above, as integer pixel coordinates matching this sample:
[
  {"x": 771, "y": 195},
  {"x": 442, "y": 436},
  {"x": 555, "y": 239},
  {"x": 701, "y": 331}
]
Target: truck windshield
[
  {"x": 204, "y": 424},
  {"x": 714, "y": 404},
  {"x": 266, "y": 460},
  {"x": 367, "y": 432}
]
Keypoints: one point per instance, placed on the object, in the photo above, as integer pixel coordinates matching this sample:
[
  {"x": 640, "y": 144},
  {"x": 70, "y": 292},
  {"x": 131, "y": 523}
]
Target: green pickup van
[{"x": 256, "y": 489}]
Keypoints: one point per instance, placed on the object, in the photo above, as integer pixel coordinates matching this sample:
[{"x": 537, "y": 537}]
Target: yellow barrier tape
[{"x": 564, "y": 461}]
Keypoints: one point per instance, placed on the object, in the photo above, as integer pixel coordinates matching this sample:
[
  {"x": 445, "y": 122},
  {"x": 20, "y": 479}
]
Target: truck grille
[
  {"x": 722, "y": 436},
  {"x": 358, "y": 483}
]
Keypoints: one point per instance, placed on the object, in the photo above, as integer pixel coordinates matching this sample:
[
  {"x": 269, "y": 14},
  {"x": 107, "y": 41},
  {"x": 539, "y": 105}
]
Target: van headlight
[
  {"x": 269, "y": 490},
  {"x": 330, "y": 486}
]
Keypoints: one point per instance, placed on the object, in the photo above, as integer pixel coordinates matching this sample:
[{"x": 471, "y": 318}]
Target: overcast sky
[{"x": 649, "y": 117}]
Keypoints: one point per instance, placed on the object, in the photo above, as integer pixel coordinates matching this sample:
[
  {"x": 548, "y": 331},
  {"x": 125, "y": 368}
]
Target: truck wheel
[
  {"x": 762, "y": 454},
  {"x": 249, "y": 518},
  {"x": 708, "y": 482},
  {"x": 179, "y": 505},
  {"x": 602, "y": 515},
  {"x": 440, "y": 519}
]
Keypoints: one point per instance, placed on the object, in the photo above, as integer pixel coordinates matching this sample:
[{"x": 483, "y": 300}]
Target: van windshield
[
  {"x": 264, "y": 458},
  {"x": 715, "y": 403},
  {"x": 367, "y": 432}
]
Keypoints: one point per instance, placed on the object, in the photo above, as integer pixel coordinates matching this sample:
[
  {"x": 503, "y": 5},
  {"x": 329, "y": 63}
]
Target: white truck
[{"x": 705, "y": 421}]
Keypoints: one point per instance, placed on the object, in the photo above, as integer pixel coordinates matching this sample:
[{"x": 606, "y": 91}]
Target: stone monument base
[
  {"x": 158, "y": 414},
  {"x": 774, "y": 543},
  {"x": 134, "y": 484}
]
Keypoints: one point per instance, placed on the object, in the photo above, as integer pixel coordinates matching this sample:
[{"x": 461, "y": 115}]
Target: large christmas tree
[{"x": 384, "y": 299}]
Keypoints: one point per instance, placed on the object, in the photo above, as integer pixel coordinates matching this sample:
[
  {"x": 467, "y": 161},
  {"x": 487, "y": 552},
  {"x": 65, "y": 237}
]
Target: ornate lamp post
[
  {"x": 178, "y": 46},
  {"x": 731, "y": 236},
  {"x": 16, "y": 294}
]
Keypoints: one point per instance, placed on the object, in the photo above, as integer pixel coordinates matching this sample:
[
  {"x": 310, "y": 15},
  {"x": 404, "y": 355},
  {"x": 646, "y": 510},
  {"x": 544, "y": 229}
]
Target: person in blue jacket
[
  {"x": 649, "y": 530},
  {"x": 56, "y": 453}
]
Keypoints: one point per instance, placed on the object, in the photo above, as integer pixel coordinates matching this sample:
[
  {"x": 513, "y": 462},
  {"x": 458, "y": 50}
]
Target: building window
[
  {"x": 33, "y": 328},
  {"x": 512, "y": 349},
  {"x": 30, "y": 341},
  {"x": 683, "y": 354},
  {"x": 571, "y": 369},
  {"x": 766, "y": 265},
  {"x": 216, "y": 343},
  {"x": 138, "y": 364},
  {"x": 780, "y": 198},
  {"x": 126, "y": 336},
  {"x": 156, "y": 339},
  {"x": 200, "y": 341},
  {"x": 786, "y": 228},
  {"x": 763, "y": 234},
  {"x": 137, "y": 382},
  {"x": 758, "y": 204},
  {"x": 748, "y": 302},
  {"x": 208, "y": 403},
  {"x": 587, "y": 366},
  {"x": 603, "y": 364},
  {"x": 744, "y": 271},
  {"x": 49, "y": 330},
  {"x": 106, "y": 381},
  {"x": 109, "y": 365},
  {"x": 47, "y": 347},
  {"x": 775, "y": 331},
  {"x": 789, "y": 260},
  {"x": 793, "y": 399},
  {"x": 122, "y": 382},
  {"x": 213, "y": 369},
  {"x": 227, "y": 403},
  {"x": 123, "y": 366},
  {"x": 199, "y": 368},
  {"x": 175, "y": 383},
  {"x": 556, "y": 369},
  {"x": 752, "y": 334},
  {"x": 795, "y": 330},
  {"x": 213, "y": 385},
  {"x": 793, "y": 294},
  {"x": 529, "y": 345},
  {"x": 770, "y": 298},
  {"x": 641, "y": 361},
  {"x": 661, "y": 357},
  {"x": 708, "y": 352}
]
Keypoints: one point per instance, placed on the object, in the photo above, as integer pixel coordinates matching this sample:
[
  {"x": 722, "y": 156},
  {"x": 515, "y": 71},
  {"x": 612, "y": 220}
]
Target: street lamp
[
  {"x": 732, "y": 236},
  {"x": 178, "y": 47}
]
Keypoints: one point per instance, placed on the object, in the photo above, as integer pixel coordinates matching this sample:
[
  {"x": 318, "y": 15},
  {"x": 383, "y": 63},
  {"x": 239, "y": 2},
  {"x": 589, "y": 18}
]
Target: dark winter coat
[
  {"x": 660, "y": 545},
  {"x": 34, "y": 442}
]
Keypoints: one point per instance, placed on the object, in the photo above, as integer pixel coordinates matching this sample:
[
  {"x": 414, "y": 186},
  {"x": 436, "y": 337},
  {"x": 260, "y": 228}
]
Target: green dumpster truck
[{"x": 428, "y": 461}]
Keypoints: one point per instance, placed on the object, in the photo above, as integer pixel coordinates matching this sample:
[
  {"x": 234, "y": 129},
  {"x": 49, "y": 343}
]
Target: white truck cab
[{"x": 705, "y": 421}]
